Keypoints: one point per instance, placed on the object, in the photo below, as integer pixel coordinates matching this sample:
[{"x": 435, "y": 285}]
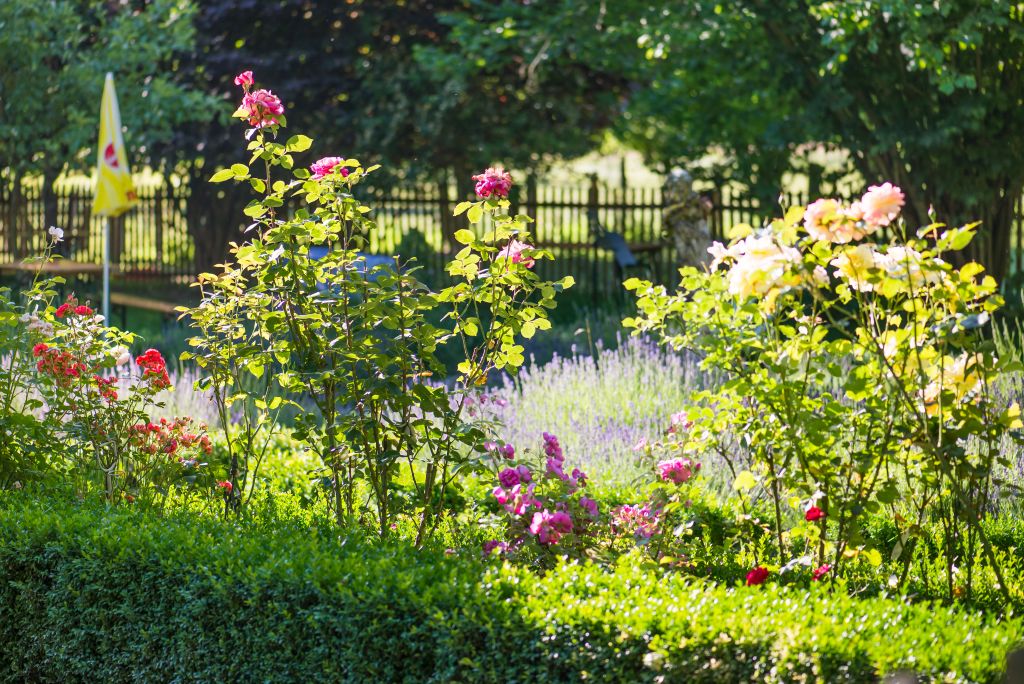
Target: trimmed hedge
[{"x": 88, "y": 594}]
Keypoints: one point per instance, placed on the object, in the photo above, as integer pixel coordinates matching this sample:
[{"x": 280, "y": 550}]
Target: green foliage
[{"x": 89, "y": 594}]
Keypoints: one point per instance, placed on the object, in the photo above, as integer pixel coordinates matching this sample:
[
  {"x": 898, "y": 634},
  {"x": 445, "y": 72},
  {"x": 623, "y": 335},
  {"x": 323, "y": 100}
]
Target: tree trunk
[{"x": 49, "y": 202}]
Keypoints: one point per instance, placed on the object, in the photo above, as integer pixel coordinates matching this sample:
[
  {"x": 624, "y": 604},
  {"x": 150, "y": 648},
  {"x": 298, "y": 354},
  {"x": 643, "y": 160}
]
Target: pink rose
[
  {"x": 820, "y": 572},
  {"x": 244, "y": 79},
  {"x": 590, "y": 506},
  {"x": 524, "y": 474},
  {"x": 549, "y": 527},
  {"x": 513, "y": 251},
  {"x": 677, "y": 470},
  {"x": 881, "y": 204},
  {"x": 501, "y": 495},
  {"x": 261, "y": 108},
  {"x": 323, "y": 167},
  {"x": 494, "y": 181}
]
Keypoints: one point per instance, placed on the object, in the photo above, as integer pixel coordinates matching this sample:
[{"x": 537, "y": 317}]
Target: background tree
[
  {"x": 55, "y": 57},
  {"x": 926, "y": 95},
  {"x": 433, "y": 89}
]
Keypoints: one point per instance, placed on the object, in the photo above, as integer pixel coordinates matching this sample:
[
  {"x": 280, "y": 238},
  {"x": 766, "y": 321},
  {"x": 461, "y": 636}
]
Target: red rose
[
  {"x": 39, "y": 349},
  {"x": 814, "y": 513},
  {"x": 757, "y": 576},
  {"x": 83, "y": 311},
  {"x": 226, "y": 486},
  {"x": 63, "y": 310},
  {"x": 822, "y": 571}
]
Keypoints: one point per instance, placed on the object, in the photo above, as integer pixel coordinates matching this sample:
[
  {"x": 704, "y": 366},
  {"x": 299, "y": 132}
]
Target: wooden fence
[{"x": 153, "y": 241}]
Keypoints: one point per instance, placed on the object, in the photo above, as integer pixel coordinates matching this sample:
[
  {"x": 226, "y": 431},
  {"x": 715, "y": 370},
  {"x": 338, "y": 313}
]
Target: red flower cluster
[
  {"x": 814, "y": 513},
  {"x": 71, "y": 306},
  {"x": 757, "y": 576},
  {"x": 171, "y": 437},
  {"x": 821, "y": 571},
  {"x": 61, "y": 365},
  {"x": 226, "y": 486},
  {"x": 154, "y": 368},
  {"x": 105, "y": 387}
]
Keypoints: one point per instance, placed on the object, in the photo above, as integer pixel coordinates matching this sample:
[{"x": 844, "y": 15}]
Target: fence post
[
  {"x": 158, "y": 222},
  {"x": 446, "y": 219}
]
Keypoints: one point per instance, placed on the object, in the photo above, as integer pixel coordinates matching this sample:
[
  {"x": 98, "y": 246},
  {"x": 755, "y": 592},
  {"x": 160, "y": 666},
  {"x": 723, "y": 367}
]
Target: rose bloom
[
  {"x": 882, "y": 203},
  {"x": 508, "y": 478},
  {"x": 83, "y": 311},
  {"x": 814, "y": 513},
  {"x": 121, "y": 355},
  {"x": 261, "y": 108},
  {"x": 854, "y": 265},
  {"x": 827, "y": 219},
  {"x": 590, "y": 506},
  {"x": 244, "y": 79},
  {"x": 513, "y": 251},
  {"x": 905, "y": 265},
  {"x": 757, "y": 576},
  {"x": 821, "y": 572},
  {"x": 762, "y": 267},
  {"x": 493, "y": 545},
  {"x": 677, "y": 470},
  {"x": 323, "y": 167},
  {"x": 226, "y": 486},
  {"x": 958, "y": 376},
  {"x": 494, "y": 181}
]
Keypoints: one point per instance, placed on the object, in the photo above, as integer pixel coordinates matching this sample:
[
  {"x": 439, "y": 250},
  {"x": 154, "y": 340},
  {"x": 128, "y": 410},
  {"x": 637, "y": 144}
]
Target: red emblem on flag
[{"x": 110, "y": 156}]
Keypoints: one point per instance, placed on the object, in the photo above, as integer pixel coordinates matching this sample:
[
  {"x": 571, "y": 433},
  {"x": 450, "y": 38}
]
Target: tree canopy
[{"x": 55, "y": 57}]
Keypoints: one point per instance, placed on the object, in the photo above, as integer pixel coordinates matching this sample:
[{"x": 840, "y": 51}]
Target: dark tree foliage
[{"x": 432, "y": 89}]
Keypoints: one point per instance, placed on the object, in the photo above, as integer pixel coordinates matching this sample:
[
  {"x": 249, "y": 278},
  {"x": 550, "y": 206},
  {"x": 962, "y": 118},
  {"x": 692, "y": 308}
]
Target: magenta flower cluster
[
  {"x": 677, "y": 470},
  {"x": 640, "y": 521},
  {"x": 546, "y": 510}
]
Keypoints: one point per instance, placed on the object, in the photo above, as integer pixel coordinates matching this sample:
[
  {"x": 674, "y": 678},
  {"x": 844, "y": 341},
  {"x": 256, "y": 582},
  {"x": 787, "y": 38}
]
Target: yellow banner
[{"x": 115, "y": 193}]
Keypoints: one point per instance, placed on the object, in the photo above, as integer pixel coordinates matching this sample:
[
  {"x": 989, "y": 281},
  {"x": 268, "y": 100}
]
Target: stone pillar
[{"x": 685, "y": 219}]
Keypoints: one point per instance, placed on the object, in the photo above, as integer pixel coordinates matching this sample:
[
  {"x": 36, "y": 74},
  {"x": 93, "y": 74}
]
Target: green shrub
[{"x": 88, "y": 594}]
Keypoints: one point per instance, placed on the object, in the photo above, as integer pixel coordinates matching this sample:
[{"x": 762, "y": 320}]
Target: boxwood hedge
[{"x": 88, "y": 594}]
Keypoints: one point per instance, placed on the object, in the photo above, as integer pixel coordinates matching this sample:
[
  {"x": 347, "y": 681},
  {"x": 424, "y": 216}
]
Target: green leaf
[
  {"x": 299, "y": 143},
  {"x": 222, "y": 175},
  {"x": 464, "y": 237},
  {"x": 241, "y": 171},
  {"x": 461, "y": 207},
  {"x": 745, "y": 481},
  {"x": 475, "y": 213}
]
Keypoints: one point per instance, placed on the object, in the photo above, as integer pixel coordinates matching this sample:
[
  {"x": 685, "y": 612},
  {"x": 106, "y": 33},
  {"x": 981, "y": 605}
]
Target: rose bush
[
  {"x": 300, "y": 310},
  {"x": 856, "y": 376}
]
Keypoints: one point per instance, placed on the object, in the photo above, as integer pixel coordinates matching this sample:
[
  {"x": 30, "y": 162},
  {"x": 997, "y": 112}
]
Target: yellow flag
[{"x": 114, "y": 191}]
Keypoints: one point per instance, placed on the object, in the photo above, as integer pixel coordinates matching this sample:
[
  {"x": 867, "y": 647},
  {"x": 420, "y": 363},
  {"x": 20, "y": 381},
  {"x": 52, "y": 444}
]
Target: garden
[{"x": 800, "y": 462}]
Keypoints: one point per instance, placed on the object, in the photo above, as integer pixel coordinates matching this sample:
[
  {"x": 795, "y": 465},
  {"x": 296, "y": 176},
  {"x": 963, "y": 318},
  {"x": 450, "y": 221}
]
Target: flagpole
[{"x": 106, "y": 271}]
